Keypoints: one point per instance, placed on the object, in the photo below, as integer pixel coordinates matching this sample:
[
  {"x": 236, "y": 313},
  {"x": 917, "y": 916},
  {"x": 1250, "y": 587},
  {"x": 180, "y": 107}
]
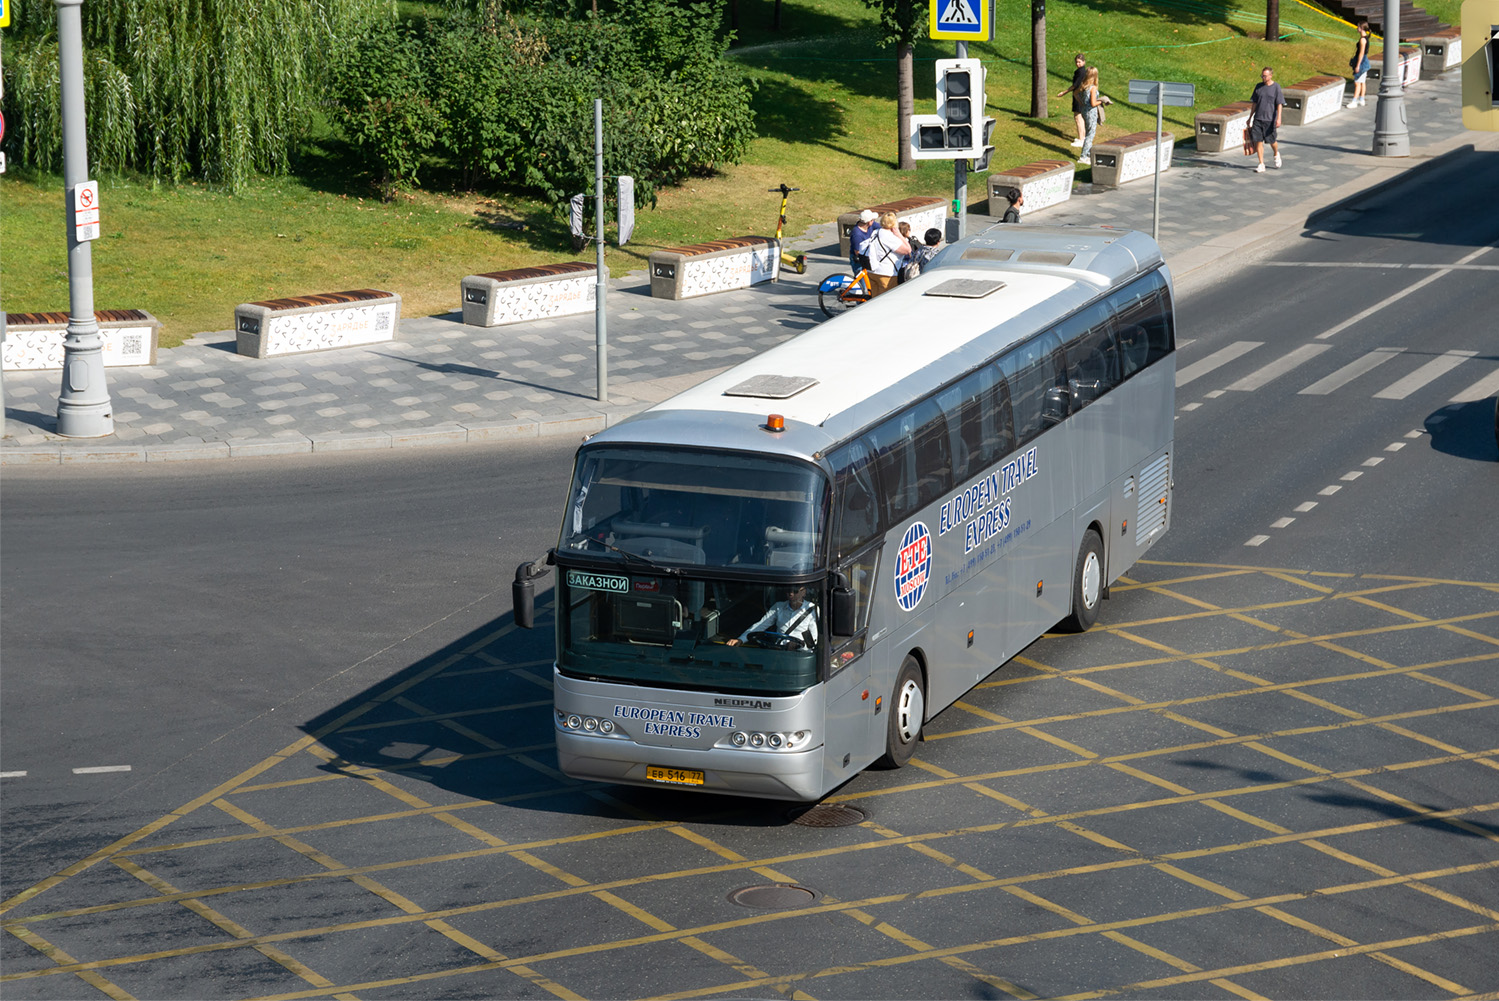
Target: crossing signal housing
[{"x": 959, "y": 130}]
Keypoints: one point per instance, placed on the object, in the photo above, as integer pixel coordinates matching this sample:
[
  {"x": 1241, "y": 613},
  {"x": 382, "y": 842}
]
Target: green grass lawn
[{"x": 826, "y": 113}]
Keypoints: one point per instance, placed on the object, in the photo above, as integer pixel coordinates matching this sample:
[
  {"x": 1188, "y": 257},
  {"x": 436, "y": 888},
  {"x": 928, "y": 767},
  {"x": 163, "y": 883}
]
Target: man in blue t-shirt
[
  {"x": 858, "y": 240},
  {"x": 1264, "y": 121}
]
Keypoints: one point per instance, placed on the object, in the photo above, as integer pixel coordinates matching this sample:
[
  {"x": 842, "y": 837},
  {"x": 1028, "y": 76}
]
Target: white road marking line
[
  {"x": 1222, "y": 356},
  {"x": 1374, "y": 461},
  {"x": 1329, "y": 491},
  {"x": 1213, "y": 395},
  {"x": 1378, "y": 266},
  {"x": 1281, "y": 522},
  {"x": 1258, "y": 540},
  {"x": 1416, "y": 433},
  {"x": 101, "y": 769},
  {"x": 1394, "y": 446},
  {"x": 12, "y": 775},
  {"x": 1305, "y": 506},
  {"x": 1351, "y": 476},
  {"x": 1437, "y": 367},
  {"x": 1443, "y": 269},
  {"x": 1192, "y": 406},
  {"x": 1182, "y": 344},
  {"x": 1279, "y": 367},
  {"x": 1487, "y": 386},
  {"x": 1351, "y": 371}
]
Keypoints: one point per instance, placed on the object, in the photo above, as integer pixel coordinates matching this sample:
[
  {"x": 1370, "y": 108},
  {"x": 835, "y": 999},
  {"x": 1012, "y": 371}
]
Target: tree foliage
[
  {"x": 513, "y": 98},
  {"x": 218, "y": 89},
  {"x": 902, "y": 22}
]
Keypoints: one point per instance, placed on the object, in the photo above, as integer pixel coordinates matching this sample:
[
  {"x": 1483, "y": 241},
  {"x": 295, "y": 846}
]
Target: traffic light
[{"x": 959, "y": 130}]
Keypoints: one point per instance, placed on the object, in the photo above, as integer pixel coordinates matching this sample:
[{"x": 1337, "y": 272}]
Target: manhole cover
[
  {"x": 775, "y": 897},
  {"x": 830, "y": 815}
]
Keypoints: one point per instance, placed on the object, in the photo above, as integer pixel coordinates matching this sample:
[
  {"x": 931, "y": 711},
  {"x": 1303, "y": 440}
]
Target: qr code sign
[
  {"x": 382, "y": 320},
  {"x": 130, "y": 345}
]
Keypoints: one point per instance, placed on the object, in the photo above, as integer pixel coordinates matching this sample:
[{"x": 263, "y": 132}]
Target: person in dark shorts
[
  {"x": 1016, "y": 199},
  {"x": 1079, "y": 76},
  {"x": 1264, "y": 121}
]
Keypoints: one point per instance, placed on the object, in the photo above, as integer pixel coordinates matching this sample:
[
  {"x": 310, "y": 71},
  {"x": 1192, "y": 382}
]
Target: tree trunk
[
  {"x": 1272, "y": 20},
  {"x": 775, "y": 19},
  {"x": 904, "y": 102},
  {"x": 1038, "y": 60}
]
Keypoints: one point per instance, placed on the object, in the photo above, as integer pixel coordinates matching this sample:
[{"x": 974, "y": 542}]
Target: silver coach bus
[{"x": 776, "y": 578}]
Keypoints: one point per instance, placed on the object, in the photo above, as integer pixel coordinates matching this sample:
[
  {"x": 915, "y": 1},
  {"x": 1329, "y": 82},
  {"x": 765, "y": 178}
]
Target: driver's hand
[{"x": 733, "y": 642}]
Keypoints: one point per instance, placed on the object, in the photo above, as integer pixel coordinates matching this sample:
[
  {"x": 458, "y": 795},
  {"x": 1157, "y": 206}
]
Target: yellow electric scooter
[{"x": 796, "y": 262}]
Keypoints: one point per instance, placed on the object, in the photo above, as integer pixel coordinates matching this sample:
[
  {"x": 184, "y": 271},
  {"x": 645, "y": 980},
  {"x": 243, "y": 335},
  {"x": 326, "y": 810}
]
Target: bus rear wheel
[
  {"x": 1087, "y": 584},
  {"x": 907, "y": 713}
]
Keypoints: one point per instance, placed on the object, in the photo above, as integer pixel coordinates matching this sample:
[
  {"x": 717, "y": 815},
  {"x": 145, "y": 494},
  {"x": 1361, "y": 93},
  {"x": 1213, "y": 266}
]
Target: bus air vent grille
[
  {"x": 987, "y": 254},
  {"x": 1047, "y": 257},
  {"x": 966, "y": 288},
  {"x": 771, "y": 387}
]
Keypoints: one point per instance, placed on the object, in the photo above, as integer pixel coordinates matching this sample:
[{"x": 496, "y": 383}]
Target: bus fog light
[
  {"x": 590, "y": 724},
  {"x": 739, "y": 739},
  {"x": 574, "y": 721},
  {"x": 757, "y": 740},
  {"x": 606, "y": 726}
]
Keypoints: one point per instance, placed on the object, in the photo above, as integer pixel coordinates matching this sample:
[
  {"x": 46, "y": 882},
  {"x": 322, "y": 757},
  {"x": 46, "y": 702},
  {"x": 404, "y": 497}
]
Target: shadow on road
[{"x": 1465, "y": 430}]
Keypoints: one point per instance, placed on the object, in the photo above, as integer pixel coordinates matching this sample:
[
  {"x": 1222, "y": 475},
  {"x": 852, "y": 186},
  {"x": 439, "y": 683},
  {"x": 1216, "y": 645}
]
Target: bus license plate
[{"x": 676, "y": 776}]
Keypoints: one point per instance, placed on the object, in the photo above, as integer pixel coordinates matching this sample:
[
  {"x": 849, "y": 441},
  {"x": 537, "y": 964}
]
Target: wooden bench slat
[
  {"x": 540, "y": 271},
  {"x": 100, "y": 316},
  {"x": 323, "y": 299}
]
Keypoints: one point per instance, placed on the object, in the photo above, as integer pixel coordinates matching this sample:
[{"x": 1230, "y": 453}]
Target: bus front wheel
[
  {"x": 907, "y": 713},
  {"x": 1087, "y": 583}
]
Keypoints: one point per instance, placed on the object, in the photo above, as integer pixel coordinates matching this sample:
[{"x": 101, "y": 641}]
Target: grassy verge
[{"x": 826, "y": 111}]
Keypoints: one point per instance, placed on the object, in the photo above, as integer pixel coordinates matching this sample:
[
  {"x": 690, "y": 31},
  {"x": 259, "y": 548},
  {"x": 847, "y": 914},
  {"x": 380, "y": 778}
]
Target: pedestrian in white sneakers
[
  {"x": 1264, "y": 122},
  {"x": 1079, "y": 76},
  {"x": 1360, "y": 65}
]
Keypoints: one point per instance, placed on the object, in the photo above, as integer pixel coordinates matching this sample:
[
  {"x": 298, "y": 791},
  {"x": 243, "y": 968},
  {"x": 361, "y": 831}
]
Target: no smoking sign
[{"x": 86, "y": 211}]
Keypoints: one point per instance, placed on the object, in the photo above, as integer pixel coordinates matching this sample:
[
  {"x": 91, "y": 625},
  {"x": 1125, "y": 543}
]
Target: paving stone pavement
[{"x": 443, "y": 382}]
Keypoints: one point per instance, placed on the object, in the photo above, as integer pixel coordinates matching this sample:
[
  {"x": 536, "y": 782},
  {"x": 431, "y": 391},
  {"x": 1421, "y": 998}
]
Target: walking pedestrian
[
  {"x": 1079, "y": 76},
  {"x": 1360, "y": 65},
  {"x": 1016, "y": 199},
  {"x": 1264, "y": 122},
  {"x": 1092, "y": 104},
  {"x": 858, "y": 240},
  {"x": 886, "y": 250}
]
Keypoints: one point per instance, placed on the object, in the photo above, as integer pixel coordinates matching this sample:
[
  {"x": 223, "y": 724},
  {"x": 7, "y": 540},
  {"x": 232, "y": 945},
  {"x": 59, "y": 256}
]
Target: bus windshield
[
  {"x": 655, "y": 506},
  {"x": 682, "y": 633}
]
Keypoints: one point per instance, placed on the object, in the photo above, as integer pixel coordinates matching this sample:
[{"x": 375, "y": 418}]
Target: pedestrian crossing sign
[{"x": 962, "y": 20}]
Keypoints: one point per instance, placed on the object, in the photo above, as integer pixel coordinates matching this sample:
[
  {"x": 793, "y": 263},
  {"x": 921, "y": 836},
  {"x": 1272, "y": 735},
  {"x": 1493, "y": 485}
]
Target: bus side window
[
  {"x": 1032, "y": 369},
  {"x": 986, "y": 428},
  {"x": 1092, "y": 355},
  {"x": 858, "y": 511},
  {"x": 1143, "y": 313}
]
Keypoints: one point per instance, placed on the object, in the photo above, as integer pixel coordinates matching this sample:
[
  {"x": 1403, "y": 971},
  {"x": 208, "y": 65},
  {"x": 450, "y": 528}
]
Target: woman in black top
[{"x": 1078, "y": 76}]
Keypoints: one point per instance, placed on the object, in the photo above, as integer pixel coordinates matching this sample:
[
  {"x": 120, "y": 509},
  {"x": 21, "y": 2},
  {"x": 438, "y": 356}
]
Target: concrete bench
[
  {"x": 922, "y": 212},
  {"x": 501, "y": 297},
  {"x": 33, "y": 341},
  {"x": 1044, "y": 183},
  {"x": 1129, "y": 158},
  {"x": 1313, "y": 98},
  {"x": 1410, "y": 65},
  {"x": 1223, "y": 128},
  {"x": 304, "y": 323},
  {"x": 1442, "y": 51},
  {"x": 715, "y": 266}
]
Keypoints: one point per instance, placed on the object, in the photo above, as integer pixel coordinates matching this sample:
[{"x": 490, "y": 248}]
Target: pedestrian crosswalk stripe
[
  {"x": 1401, "y": 388},
  {"x": 1485, "y": 387},
  {"x": 1217, "y": 359},
  {"x": 1351, "y": 371},
  {"x": 1279, "y": 367}
]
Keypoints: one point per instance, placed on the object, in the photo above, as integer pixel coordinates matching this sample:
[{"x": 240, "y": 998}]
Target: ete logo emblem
[
  {"x": 964, "y": 20},
  {"x": 913, "y": 566}
]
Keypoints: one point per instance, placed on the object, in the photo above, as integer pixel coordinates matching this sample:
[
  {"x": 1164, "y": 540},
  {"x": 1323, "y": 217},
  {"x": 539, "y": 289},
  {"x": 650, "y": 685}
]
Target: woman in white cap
[{"x": 858, "y": 241}]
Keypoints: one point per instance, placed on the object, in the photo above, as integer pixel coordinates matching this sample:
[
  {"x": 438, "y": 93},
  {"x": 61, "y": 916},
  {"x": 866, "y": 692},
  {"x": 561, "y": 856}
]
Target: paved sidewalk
[{"x": 445, "y": 383}]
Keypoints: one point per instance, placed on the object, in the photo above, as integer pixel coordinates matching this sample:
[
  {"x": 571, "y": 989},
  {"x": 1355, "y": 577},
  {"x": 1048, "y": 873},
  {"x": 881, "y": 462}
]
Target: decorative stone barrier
[
  {"x": 1442, "y": 51},
  {"x": 33, "y": 341},
  {"x": 1223, "y": 128},
  {"x": 1043, "y": 183},
  {"x": 321, "y": 322},
  {"x": 1129, "y": 158},
  {"x": 1313, "y": 98},
  {"x": 716, "y": 266},
  {"x": 501, "y": 297},
  {"x": 922, "y": 212},
  {"x": 1411, "y": 61}
]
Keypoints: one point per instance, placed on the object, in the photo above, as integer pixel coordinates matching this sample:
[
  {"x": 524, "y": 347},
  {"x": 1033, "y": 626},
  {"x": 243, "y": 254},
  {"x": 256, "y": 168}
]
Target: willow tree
[{"x": 216, "y": 89}]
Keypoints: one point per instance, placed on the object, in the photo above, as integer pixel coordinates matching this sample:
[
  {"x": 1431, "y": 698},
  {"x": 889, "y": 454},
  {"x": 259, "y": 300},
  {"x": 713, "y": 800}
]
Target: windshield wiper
[{"x": 638, "y": 558}]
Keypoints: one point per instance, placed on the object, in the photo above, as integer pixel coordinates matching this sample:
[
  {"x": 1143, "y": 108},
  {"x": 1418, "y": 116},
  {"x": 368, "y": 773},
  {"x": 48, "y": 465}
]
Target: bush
[{"x": 381, "y": 90}]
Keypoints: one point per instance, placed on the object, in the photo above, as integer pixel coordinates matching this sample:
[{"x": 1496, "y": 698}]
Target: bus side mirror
[
  {"x": 523, "y": 593},
  {"x": 1055, "y": 405},
  {"x": 842, "y": 607}
]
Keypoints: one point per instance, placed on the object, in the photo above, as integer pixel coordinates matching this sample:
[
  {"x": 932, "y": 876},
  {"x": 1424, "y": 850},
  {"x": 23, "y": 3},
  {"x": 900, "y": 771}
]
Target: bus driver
[{"x": 795, "y": 617}]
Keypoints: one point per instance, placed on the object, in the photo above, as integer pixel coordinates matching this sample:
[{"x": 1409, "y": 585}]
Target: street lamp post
[
  {"x": 83, "y": 406},
  {"x": 1391, "y": 137}
]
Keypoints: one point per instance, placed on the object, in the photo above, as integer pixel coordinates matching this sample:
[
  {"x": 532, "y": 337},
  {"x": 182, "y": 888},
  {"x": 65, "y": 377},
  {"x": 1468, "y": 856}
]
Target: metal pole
[
  {"x": 1391, "y": 137},
  {"x": 600, "y": 318},
  {"x": 960, "y": 170},
  {"x": 83, "y": 405},
  {"x": 1160, "y": 114}
]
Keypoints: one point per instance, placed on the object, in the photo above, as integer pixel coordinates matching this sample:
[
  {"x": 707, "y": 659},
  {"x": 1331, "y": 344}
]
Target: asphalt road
[{"x": 1269, "y": 771}]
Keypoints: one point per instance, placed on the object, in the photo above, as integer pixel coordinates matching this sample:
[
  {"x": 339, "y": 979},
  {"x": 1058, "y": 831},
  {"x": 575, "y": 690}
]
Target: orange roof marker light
[{"x": 776, "y": 423}]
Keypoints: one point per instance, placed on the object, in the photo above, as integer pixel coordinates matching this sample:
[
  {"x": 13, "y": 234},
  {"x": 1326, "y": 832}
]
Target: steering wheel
[{"x": 774, "y": 641}]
